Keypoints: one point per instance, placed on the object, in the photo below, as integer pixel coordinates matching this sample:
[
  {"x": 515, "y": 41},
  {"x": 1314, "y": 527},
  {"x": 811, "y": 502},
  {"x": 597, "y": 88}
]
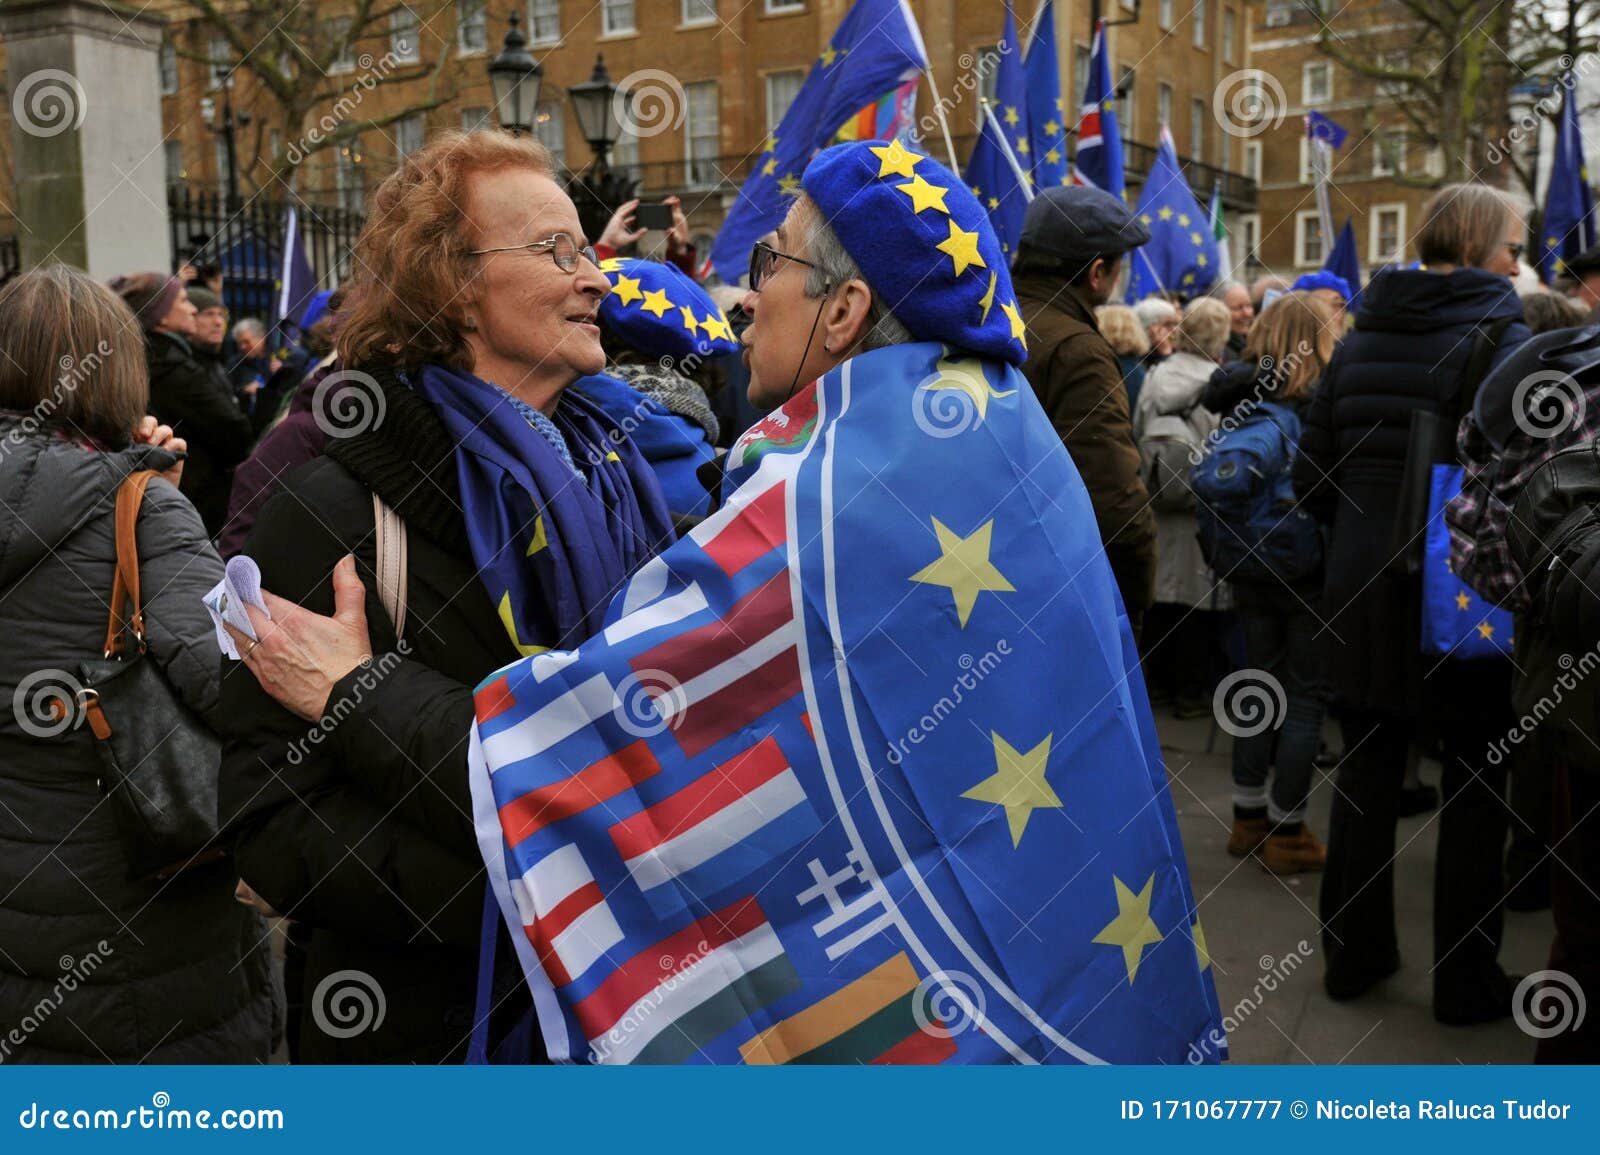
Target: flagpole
[
  {"x": 1023, "y": 181},
  {"x": 944, "y": 125},
  {"x": 291, "y": 237}
]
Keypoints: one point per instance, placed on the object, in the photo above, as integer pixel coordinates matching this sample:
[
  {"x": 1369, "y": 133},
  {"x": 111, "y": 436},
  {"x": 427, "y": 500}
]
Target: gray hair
[
  {"x": 1153, "y": 310},
  {"x": 835, "y": 266},
  {"x": 1223, "y": 288},
  {"x": 249, "y": 327}
]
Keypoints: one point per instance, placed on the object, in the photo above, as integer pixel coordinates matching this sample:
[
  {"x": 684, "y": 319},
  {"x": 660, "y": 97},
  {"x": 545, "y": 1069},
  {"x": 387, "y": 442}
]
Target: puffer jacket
[
  {"x": 94, "y": 967},
  {"x": 1412, "y": 340},
  {"x": 1173, "y": 389},
  {"x": 187, "y": 395}
]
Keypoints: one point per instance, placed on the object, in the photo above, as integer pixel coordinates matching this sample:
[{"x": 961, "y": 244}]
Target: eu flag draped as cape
[
  {"x": 876, "y": 49},
  {"x": 860, "y": 770}
]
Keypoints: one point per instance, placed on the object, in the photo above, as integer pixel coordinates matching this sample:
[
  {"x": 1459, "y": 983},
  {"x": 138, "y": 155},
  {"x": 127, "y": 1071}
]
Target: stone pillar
[{"x": 84, "y": 90}]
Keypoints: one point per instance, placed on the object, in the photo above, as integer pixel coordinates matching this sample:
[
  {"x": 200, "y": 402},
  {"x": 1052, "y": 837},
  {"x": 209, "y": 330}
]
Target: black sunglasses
[{"x": 764, "y": 262}]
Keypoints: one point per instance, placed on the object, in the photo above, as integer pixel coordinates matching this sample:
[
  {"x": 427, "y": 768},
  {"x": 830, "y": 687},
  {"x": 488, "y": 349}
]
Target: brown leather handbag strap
[{"x": 130, "y": 496}]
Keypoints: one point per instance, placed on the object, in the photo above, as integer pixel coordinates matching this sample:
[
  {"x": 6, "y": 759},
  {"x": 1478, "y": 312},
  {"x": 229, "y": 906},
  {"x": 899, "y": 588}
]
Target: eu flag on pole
[
  {"x": 1181, "y": 255},
  {"x": 1011, "y": 93},
  {"x": 1344, "y": 261},
  {"x": 1099, "y": 158},
  {"x": 296, "y": 283},
  {"x": 1569, "y": 226},
  {"x": 1045, "y": 127},
  {"x": 876, "y": 48},
  {"x": 738, "y": 826},
  {"x": 997, "y": 180}
]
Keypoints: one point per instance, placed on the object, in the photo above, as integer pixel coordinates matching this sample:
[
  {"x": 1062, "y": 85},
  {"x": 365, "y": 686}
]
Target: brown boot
[
  {"x": 1247, "y": 836},
  {"x": 1294, "y": 853}
]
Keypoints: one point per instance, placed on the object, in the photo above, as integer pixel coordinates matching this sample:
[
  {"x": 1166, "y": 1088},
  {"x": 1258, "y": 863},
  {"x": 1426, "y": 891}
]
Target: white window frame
[
  {"x": 405, "y": 125},
  {"x": 782, "y": 7},
  {"x": 798, "y": 76},
  {"x": 988, "y": 78},
  {"x": 1252, "y": 160},
  {"x": 474, "y": 117},
  {"x": 1394, "y": 58},
  {"x": 704, "y": 19},
  {"x": 405, "y": 36},
  {"x": 468, "y": 14},
  {"x": 1309, "y": 69},
  {"x": 1374, "y": 256},
  {"x": 552, "y": 13},
  {"x": 610, "y": 10},
  {"x": 1380, "y": 165},
  {"x": 1164, "y": 98},
  {"x": 1126, "y": 78},
  {"x": 1200, "y": 34},
  {"x": 1434, "y": 161},
  {"x": 1197, "y": 129},
  {"x": 167, "y": 66},
  {"x": 1247, "y": 228},
  {"x": 553, "y": 138},
  {"x": 338, "y": 29},
  {"x": 171, "y": 150},
  {"x": 1302, "y": 219},
  {"x": 1082, "y": 61},
  {"x": 691, "y": 177},
  {"x": 216, "y": 77},
  {"x": 625, "y": 152},
  {"x": 1164, "y": 14},
  {"x": 1230, "y": 34}
]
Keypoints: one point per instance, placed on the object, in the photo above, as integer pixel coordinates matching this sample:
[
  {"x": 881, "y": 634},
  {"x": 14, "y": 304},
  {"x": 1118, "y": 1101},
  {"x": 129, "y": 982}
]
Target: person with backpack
[
  {"x": 1269, "y": 551},
  {"x": 1422, "y": 337},
  {"x": 1171, "y": 427}
]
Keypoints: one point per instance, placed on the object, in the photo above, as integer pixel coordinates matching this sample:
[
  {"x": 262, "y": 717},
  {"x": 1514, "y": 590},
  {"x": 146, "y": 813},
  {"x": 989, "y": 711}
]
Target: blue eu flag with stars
[
  {"x": 1568, "y": 227},
  {"x": 1181, "y": 255},
  {"x": 996, "y": 180},
  {"x": 1011, "y": 93},
  {"x": 1046, "y": 121}
]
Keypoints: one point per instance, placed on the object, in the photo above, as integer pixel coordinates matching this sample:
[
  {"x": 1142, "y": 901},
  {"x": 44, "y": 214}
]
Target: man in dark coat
[
  {"x": 1067, "y": 263},
  {"x": 185, "y": 394}
]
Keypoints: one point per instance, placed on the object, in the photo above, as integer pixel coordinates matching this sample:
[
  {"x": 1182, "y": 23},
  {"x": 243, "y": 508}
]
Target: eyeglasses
[
  {"x": 561, "y": 247},
  {"x": 764, "y": 262},
  {"x": 1516, "y": 248}
]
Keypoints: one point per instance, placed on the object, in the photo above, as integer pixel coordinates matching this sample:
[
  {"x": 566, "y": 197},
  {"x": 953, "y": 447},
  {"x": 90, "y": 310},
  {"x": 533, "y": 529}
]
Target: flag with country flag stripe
[{"x": 861, "y": 770}]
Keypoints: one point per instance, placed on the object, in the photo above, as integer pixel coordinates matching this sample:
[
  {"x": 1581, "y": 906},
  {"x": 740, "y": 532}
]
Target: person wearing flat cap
[{"x": 1068, "y": 260}]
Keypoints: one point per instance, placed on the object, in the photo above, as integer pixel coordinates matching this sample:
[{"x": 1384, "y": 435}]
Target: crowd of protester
[{"x": 1245, "y": 453}]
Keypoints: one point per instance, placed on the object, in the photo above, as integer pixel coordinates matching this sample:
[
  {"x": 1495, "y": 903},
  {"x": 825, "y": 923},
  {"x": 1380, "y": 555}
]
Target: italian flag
[{"x": 1219, "y": 232}]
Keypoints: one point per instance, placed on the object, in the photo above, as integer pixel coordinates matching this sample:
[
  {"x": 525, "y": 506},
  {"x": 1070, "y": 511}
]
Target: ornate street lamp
[
  {"x": 597, "y": 191},
  {"x": 515, "y": 76}
]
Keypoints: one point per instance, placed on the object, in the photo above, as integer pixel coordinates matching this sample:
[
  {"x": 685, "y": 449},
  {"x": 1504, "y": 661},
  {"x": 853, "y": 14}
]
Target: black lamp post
[
  {"x": 225, "y": 129},
  {"x": 515, "y": 76},
  {"x": 597, "y": 191}
]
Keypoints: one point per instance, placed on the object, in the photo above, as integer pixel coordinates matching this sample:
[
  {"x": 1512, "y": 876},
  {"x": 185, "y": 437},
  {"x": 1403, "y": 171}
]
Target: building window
[
  {"x": 699, "y": 11},
  {"x": 1164, "y": 14},
  {"x": 988, "y": 57},
  {"x": 703, "y": 132},
  {"x": 348, "y": 179},
  {"x": 1397, "y": 60},
  {"x": 1199, "y": 18},
  {"x": 1388, "y": 151},
  {"x": 1252, "y": 160},
  {"x": 616, "y": 17},
  {"x": 474, "y": 118},
  {"x": 472, "y": 27},
  {"x": 403, "y": 39},
  {"x": 219, "y": 61},
  {"x": 1308, "y": 238},
  {"x": 409, "y": 132},
  {"x": 625, "y": 153},
  {"x": 1081, "y": 59},
  {"x": 1316, "y": 82},
  {"x": 1125, "y": 101},
  {"x": 782, "y": 88},
  {"x": 169, "y": 68},
  {"x": 1435, "y": 162},
  {"x": 1386, "y": 230},
  {"x": 550, "y": 126},
  {"x": 776, "y": 6},
  {"x": 544, "y": 21},
  {"x": 1248, "y": 229},
  {"x": 172, "y": 153},
  {"x": 1305, "y": 160},
  {"x": 1197, "y": 130},
  {"x": 1229, "y": 30},
  {"x": 344, "y": 59},
  {"x": 1164, "y": 103}
]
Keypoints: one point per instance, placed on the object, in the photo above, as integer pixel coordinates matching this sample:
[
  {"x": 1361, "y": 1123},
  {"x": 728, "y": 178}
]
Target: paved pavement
[{"x": 1255, "y": 922}]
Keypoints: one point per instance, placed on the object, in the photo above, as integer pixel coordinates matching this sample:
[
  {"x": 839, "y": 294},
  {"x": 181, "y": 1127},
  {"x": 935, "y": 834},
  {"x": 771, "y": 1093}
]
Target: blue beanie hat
[
  {"x": 922, "y": 242},
  {"x": 657, "y": 310},
  {"x": 1322, "y": 279}
]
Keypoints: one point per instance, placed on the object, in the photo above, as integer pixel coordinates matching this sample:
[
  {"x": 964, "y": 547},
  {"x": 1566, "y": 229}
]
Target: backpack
[
  {"x": 1248, "y": 524},
  {"x": 1168, "y": 447}
]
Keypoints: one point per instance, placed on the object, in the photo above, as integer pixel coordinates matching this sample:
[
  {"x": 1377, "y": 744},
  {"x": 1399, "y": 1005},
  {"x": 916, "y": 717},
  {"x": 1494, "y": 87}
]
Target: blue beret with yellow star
[
  {"x": 658, "y": 311},
  {"x": 923, "y": 242}
]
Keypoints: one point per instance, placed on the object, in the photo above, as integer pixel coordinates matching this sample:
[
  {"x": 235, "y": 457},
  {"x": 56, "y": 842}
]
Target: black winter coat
[
  {"x": 1412, "y": 339},
  {"x": 93, "y": 967},
  {"x": 198, "y": 403},
  {"x": 364, "y": 832}
]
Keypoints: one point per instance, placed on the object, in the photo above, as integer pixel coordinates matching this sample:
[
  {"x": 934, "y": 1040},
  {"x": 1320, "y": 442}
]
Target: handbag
[
  {"x": 1456, "y": 622},
  {"x": 159, "y": 761}
]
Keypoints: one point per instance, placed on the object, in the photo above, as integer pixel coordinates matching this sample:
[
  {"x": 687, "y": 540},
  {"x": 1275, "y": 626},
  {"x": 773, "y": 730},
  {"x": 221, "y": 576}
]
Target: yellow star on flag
[
  {"x": 509, "y": 621},
  {"x": 1018, "y": 329},
  {"x": 1200, "y": 950},
  {"x": 987, "y": 301},
  {"x": 610, "y": 264},
  {"x": 540, "y": 539},
  {"x": 1183, "y": 220},
  {"x": 828, "y": 56},
  {"x": 655, "y": 301},
  {"x": 770, "y": 167},
  {"x": 1201, "y": 260},
  {"x": 1485, "y": 630},
  {"x": 1188, "y": 279},
  {"x": 689, "y": 321},
  {"x": 1051, "y": 128},
  {"x": 1052, "y": 155},
  {"x": 1146, "y": 218},
  {"x": 962, "y": 248},
  {"x": 1194, "y": 238},
  {"x": 715, "y": 326},
  {"x": 1462, "y": 601},
  {"x": 963, "y": 564},
  {"x": 788, "y": 184},
  {"x": 627, "y": 290},
  {"x": 1022, "y": 146},
  {"x": 1018, "y": 784},
  {"x": 1132, "y": 929},
  {"x": 1551, "y": 242},
  {"x": 896, "y": 160},
  {"x": 994, "y": 202},
  {"x": 1011, "y": 116},
  {"x": 924, "y": 195},
  {"x": 1165, "y": 213}
]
